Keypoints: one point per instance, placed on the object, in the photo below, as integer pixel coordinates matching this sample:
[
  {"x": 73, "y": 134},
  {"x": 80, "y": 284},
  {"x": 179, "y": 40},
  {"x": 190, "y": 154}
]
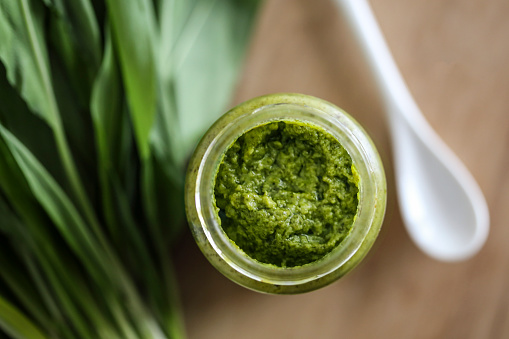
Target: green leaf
[
  {"x": 57, "y": 205},
  {"x": 16, "y": 188},
  {"x": 134, "y": 33},
  {"x": 160, "y": 295},
  {"x": 29, "y": 128},
  {"x": 205, "y": 60},
  {"x": 74, "y": 33},
  {"x": 109, "y": 122},
  {"x": 53, "y": 290},
  {"x": 74, "y": 43},
  {"x": 77, "y": 125},
  {"x": 106, "y": 110},
  {"x": 88, "y": 136},
  {"x": 14, "y": 323},
  {"x": 96, "y": 259},
  {"x": 24, "y": 54},
  {"x": 166, "y": 136},
  {"x": 14, "y": 274},
  {"x": 201, "y": 48}
]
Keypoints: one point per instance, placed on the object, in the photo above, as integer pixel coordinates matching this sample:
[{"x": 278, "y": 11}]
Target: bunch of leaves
[{"x": 100, "y": 105}]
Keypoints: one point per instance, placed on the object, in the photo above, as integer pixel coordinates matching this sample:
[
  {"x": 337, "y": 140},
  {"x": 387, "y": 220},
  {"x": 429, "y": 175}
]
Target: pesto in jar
[{"x": 286, "y": 193}]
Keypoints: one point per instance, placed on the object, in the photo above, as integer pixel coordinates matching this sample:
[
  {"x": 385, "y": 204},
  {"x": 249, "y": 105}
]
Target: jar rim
[{"x": 258, "y": 112}]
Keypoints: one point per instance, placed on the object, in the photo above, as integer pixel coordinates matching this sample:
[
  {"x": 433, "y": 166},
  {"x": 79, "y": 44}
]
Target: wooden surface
[{"x": 454, "y": 55}]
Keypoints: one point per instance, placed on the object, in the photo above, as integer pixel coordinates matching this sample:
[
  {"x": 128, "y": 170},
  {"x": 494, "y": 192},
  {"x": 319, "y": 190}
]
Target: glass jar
[{"x": 229, "y": 259}]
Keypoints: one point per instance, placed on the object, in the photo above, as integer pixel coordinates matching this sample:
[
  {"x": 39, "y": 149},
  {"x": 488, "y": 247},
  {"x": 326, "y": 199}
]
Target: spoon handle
[{"x": 392, "y": 87}]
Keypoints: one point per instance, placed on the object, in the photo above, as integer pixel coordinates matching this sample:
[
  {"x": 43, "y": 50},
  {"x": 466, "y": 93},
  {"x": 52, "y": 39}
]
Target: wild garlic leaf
[
  {"x": 56, "y": 295},
  {"x": 56, "y": 286},
  {"x": 109, "y": 123},
  {"x": 33, "y": 234},
  {"x": 29, "y": 128},
  {"x": 205, "y": 61},
  {"x": 74, "y": 47},
  {"x": 106, "y": 108},
  {"x": 75, "y": 37},
  {"x": 134, "y": 34},
  {"x": 86, "y": 241},
  {"x": 16, "y": 190},
  {"x": 16, "y": 324},
  {"x": 14, "y": 275},
  {"x": 25, "y": 57},
  {"x": 201, "y": 46},
  {"x": 57, "y": 205},
  {"x": 180, "y": 25},
  {"x": 132, "y": 240},
  {"x": 24, "y": 54},
  {"x": 13, "y": 272},
  {"x": 106, "y": 112},
  {"x": 93, "y": 147},
  {"x": 172, "y": 16}
]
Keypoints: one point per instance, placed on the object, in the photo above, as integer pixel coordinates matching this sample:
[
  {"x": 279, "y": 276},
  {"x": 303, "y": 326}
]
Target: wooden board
[{"x": 454, "y": 56}]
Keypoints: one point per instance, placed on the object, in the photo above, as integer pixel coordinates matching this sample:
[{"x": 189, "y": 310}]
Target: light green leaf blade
[
  {"x": 180, "y": 24},
  {"x": 14, "y": 323},
  {"x": 201, "y": 46},
  {"x": 109, "y": 122},
  {"x": 166, "y": 136},
  {"x": 134, "y": 34},
  {"x": 106, "y": 110},
  {"x": 106, "y": 107},
  {"x": 24, "y": 54},
  {"x": 207, "y": 62}
]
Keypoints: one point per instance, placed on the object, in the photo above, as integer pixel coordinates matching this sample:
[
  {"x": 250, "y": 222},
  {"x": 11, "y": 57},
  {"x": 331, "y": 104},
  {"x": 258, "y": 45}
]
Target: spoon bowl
[{"x": 442, "y": 206}]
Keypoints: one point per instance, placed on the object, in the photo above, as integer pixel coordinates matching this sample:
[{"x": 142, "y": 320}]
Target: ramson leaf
[
  {"x": 75, "y": 34},
  {"x": 106, "y": 110},
  {"x": 14, "y": 322},
  {"x": 13, "y": 272},
  {"x": 100, "y": 266},
  {"x": 33, "y": 235},
  {"x": 29, "y": 128},
  {"x": 201, "y": 47},
  {"x": 134, "y": 34},
  {"x": 109, "y": 122},
  {"x": 201, "y": 56},
  {"x": 75, "y": 51},
  {"x": 24, "y": 54},
  {"x": 101, "y": 103},
  {"x": 56, "y": 204},
  {"x": 215, "y": 58}
]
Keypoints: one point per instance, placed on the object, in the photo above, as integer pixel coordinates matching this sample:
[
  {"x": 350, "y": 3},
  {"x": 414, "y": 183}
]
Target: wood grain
[{"x": 453, "y": 55}]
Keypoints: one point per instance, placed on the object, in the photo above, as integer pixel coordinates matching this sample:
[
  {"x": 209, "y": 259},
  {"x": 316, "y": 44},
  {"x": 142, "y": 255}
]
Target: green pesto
[{"x": 286, "y": 193}]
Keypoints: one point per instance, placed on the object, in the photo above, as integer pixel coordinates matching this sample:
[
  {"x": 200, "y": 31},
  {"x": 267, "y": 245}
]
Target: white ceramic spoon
[{"x": 442, "y": 206}]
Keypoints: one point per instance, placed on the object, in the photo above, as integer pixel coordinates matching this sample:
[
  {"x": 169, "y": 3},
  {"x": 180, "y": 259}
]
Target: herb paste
[{"x": 286, "y": 193}]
